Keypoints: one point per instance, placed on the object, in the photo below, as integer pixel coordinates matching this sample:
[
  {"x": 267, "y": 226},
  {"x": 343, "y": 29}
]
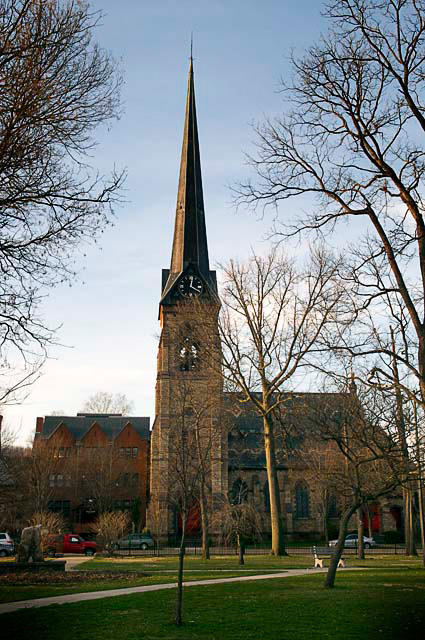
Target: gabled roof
[
  {"x": 298, "y": 411},
  {"x": 110, "y": 425}
]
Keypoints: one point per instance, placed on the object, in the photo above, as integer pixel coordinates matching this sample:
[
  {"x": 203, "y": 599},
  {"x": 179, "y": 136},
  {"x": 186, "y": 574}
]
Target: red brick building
[{"x": 93, "y": 462}]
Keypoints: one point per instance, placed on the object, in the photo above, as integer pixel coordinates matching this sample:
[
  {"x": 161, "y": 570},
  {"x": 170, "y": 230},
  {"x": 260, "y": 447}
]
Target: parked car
[
  {"x": 7, "y": 546},
  {"x": 69, "y": 543},
  {"x": 135, "y": 541},
  {"x": 351, "y": 541},
  {"x": 6, "y": 550}
]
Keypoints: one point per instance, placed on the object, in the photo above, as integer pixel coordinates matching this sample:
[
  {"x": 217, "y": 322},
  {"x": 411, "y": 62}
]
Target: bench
[{"x": 326, "y": 552}]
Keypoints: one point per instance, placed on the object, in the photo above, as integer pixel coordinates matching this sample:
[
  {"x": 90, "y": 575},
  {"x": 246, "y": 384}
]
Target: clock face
[{"x": 190, "y": 286}]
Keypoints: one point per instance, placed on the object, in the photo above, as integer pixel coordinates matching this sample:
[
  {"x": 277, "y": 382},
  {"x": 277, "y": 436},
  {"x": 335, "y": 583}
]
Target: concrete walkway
[
  {"x": 7, "y": 607},
  {"x": 73, "y": 561}
]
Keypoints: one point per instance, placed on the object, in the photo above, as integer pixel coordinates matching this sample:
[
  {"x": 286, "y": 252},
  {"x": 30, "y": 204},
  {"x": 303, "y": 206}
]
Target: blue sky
[{"x": 109, "y": 316}]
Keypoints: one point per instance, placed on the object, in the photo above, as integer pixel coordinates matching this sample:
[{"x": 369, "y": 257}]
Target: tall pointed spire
[{"x": 190, "y": 236}]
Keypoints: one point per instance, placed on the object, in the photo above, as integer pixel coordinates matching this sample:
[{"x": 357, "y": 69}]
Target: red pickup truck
[{"x": 69, "y": 543}]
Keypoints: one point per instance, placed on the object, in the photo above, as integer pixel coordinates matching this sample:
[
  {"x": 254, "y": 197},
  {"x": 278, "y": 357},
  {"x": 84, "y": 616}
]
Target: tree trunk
[
  {"x": 204, "y": 524},
  {"x": 325, "y": 512},
  {"x": 421, "y": 516},
  {"x": 325, "y": 528},
  {"x": 413, "y": 550},
  {"x": 360, "y": 532},
  {"x": 369, "y": 522},
  {"x": 241, "y": 548},
  {"x": 406, "y": 510},
  {"x": 278, "y": 543},
  {"x": 330, "y": 576},
  {"x": 409, "y": 531},
  {"x": 421, "y": 363},
  {"x": 420, "y": 488},
  {"x": 179, "y": 607}
]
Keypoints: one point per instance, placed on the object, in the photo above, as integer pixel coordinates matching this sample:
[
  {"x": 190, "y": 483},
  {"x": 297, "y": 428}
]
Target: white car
[
  {"x": 7, "y": 546},
  {"x": 351, "y": 541}
]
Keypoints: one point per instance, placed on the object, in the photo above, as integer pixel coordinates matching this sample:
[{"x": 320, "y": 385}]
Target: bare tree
[
  {"x": 50, "y": 523},
  {"x": 322, "y": 466},
  {"x": 102, "y": 475},
  {"x": 419, "y": 441},
  {"x": 361, "y": 428},
  {"x": 31, "y": 488},
  {"x": 239, "y": 520},
  {"x": 272, "y": 319},
  {"x": 208, "y": 424},
  {"x": 110, "y": 526},
  {"x": 57, "y": 86},
  {"x": 184, "y": 475},
  {"x": 351, "y": 142},
  {"x": 38, "y": 473},
  {"x": 106, "y": 402}
]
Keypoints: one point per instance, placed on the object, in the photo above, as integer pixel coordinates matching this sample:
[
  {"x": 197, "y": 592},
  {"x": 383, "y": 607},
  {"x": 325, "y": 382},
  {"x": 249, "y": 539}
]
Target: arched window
[
  {"x": 302, "y": 500},
  {"x": 239, "y": 492},
  {"x": 188, "y": 349},
  {"x": 332, "y": 506}
]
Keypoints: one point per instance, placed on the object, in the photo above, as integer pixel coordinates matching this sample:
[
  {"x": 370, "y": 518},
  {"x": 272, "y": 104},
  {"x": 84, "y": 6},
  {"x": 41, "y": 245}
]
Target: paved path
[
  {"x": 73, "y": 561},
  {"x": 96, "y": 595}
]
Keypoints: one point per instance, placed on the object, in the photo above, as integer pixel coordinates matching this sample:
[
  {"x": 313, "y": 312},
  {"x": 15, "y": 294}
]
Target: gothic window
[
  {"x": 188, "y": 354},
  {"x": 302, "y": 500},
  {"x": 188, "y": 349},
  {"x": 239, "y": 492},
  {"x": 332, "y": 506}
]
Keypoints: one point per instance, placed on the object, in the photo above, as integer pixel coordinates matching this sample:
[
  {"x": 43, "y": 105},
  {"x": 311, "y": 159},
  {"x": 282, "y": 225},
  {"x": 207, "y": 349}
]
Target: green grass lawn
[
  {"x": 158, "y": 570},
  {"x": 195, "y": 563},
  {"x": 254, "y": 563},
  {"x": 163, "y": 570},
  {"x": 15, "y": 592},
  {"x": 386, "y": 603}
]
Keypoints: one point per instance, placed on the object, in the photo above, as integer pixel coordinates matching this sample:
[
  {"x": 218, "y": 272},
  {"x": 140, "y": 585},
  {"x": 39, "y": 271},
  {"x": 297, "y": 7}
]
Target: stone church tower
[{"x": 188, "y": 349}]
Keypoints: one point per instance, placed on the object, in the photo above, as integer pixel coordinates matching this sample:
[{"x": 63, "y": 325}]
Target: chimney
[{"x": 39, "y": 425}]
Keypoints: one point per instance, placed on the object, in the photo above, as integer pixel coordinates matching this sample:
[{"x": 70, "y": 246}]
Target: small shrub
[
  {"x": 50, "y": 523},
  {"x": 393, "y": 537},
  {"x": 110, "y": 526}
]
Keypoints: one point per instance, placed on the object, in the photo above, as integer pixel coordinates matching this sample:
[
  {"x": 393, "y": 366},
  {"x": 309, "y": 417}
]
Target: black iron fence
[{"x": 195, "y": 549}]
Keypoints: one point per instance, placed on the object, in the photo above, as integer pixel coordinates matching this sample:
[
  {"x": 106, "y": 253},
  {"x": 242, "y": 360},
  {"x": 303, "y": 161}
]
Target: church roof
[
  {"x": 296, "y": 416},
  {"x": 110, "y": 425}
]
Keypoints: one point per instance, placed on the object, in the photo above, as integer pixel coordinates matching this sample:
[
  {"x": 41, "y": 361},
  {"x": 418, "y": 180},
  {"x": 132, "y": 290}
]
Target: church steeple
[
  {"x": 190, "y": 247},
  {"x": 190, "y": 236}
]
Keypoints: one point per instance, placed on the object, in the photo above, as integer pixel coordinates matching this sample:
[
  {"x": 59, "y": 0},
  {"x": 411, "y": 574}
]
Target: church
[
  {"x": 201, "y": 434},
  {"x": 188, "y": 385}
]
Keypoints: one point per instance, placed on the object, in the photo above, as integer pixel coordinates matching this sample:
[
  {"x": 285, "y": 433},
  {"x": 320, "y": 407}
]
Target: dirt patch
[{"x": 74, "y": 577}]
